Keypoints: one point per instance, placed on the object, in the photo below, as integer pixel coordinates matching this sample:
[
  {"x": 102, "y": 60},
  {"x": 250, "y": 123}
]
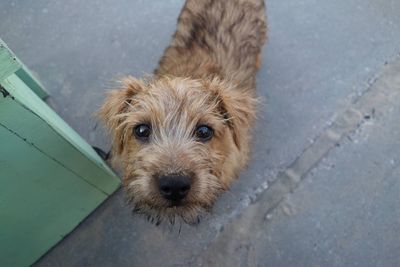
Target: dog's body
[{"x": 183, "y": 136}]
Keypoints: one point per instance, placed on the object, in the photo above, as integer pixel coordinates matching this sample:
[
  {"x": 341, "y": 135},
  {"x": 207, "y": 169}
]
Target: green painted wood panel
[
  {"x": 8, "y": 61},
  {"x": 33, "y": 104},
  {"x": 29, "y": 79},
  {"x": 10, "y": 64},
  {"x": 40, "y": 201},
  {"x": 50, "y": 178}
]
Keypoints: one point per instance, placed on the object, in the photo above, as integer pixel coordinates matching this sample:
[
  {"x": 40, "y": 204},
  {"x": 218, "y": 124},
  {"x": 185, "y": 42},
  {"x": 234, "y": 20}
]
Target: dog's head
[{"x": 180, "y": 142}]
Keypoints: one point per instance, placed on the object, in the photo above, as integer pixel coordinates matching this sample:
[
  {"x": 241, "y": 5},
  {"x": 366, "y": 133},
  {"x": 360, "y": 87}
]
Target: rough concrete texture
[{"x": 323, "y": 186}]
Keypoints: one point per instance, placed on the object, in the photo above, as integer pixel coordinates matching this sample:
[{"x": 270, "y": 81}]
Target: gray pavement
[{"x": 323, "y": 185}]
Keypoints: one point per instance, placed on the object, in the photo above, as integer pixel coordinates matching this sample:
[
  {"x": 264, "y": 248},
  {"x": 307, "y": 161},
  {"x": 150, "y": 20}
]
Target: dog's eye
[
  {"x": 142, "y": 131},
  {"x": 204, "y": 133}
]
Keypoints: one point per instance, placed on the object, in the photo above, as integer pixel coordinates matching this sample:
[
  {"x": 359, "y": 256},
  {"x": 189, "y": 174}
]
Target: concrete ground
[{"x": 323, "y": 186}]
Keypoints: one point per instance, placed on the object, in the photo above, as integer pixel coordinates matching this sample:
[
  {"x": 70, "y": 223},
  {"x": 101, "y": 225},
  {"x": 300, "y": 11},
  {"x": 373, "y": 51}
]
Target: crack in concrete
[{"x": 373, "y": 102}]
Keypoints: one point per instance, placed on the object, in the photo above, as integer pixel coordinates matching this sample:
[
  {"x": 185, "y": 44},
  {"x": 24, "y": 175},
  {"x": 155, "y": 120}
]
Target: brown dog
[{"x": 183, "y": 135}]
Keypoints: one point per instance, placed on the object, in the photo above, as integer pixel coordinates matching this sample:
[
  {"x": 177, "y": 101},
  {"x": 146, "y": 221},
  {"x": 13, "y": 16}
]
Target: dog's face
[{"x": 180, "y": 141}]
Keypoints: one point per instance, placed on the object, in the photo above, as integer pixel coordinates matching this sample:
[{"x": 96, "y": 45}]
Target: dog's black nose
[{"x": 174, "y": 187}]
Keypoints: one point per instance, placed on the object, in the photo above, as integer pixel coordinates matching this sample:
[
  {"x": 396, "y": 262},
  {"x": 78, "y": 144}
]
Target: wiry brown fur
[{"x": 206, "y": 76}]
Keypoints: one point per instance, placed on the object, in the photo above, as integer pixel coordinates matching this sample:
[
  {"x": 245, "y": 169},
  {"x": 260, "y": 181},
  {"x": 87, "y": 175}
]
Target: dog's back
[{"x": 220, "y": 38}]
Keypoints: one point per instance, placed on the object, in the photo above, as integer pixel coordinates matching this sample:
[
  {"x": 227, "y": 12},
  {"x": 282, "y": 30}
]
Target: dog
[{"x": 183, "y": 135}]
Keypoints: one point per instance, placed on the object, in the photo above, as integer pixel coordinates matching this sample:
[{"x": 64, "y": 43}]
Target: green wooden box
[{"x": 50, "y": 178}]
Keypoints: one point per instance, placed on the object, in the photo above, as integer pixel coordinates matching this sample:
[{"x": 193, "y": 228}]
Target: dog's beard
[
  {"x": 190, "y": 214},
  {"x": 162, "y": 211}
]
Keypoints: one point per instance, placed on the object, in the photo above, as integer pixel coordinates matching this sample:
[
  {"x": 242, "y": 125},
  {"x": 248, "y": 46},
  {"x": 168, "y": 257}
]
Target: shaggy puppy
[{"x": 183, "y": 135}]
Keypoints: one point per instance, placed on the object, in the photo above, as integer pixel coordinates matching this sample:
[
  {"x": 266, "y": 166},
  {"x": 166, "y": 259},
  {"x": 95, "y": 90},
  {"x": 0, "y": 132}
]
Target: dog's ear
[
  {"x": 237, "y": 106},
  {"x": 116, "y": 106}
]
